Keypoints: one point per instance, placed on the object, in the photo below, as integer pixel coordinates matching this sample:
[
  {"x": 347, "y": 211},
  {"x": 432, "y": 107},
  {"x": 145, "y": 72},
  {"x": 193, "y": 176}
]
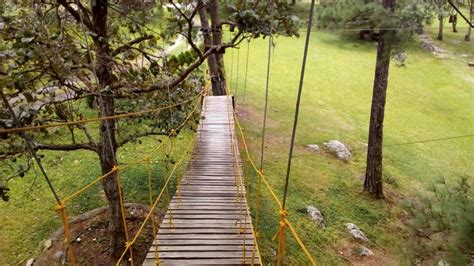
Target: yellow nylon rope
[
  {"x": 122, "y": 209},
  {"x": 67, "y": 233}
]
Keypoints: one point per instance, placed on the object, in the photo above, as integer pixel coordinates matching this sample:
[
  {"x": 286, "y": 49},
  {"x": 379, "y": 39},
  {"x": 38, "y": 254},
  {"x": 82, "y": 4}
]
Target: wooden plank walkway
[{"x": 208, "y": 222}]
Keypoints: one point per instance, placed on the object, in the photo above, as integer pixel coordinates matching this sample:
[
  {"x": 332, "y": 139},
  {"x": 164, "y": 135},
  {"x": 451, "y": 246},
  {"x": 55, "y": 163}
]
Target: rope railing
[
  {"x": 96, "y": 119},
  {"x": 61, "y": 206},
  {"x": 283, "y": 213}
]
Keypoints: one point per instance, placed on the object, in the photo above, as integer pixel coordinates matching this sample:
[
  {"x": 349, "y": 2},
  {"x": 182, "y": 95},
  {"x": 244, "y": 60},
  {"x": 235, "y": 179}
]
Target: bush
[{"x": 443, "y": 221}]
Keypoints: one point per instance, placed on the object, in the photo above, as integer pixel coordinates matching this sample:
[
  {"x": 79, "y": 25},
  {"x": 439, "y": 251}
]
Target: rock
[
  {"x": 364, "y": 252},
  {"x": 315, "y": 215},
  {"x": 356, "y": 232},
  {"x": 442, "y": 262},
  {"x": 314, "y": 148},
  {"x": 471, "y": 64},
  {"x": 78, "y": 239},
  {"x": 47, "y": 244},
  {"x": 339, "y": 149},
  {"x": 30, "y": 262}
]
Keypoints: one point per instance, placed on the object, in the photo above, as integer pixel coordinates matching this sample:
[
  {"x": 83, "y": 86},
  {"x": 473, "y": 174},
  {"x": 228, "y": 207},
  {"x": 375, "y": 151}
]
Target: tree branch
[
  {"x": 85, "y": 19},
  {"x": 139, "y": 135},
  {"x": 66, "y": 147},
  {"x": 129, "y": 45},
  {"x": 175, "y": 82}
]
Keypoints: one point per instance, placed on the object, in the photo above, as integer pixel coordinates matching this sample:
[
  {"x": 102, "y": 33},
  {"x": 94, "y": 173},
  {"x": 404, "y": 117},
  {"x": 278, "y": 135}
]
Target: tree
[
  {"x": 442, "y": 8},
  {"x": 393, "y": 23},
  {"x": 73, "y": 52},
  {"x": 467, "y": 37}
]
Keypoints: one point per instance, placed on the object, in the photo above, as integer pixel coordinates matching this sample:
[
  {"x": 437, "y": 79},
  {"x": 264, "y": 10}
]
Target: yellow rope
[
  {"x": 300, "y": 243},
  {"x": 283, "y": 213},
  {"x": 122, "y": 209},
  {"x": 150, "y": 197},
  {"x": 88, "y": 186},
  {"x": 84, "y": 121},
  {"x": 67, "y": 233},
  {"x": 155, "y": 203}
]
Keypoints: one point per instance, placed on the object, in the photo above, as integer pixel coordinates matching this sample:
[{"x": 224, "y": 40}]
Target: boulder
[
  {"x": 314, "y": 147},
  {"x": 30, "y": 262},
  {"x": 315, "y": 215},
  {"x": 48, "y": 243},
  {"x": 364, "y": 252},
  {"x": 339, "y": 149},
  {"x": 356, "y": 232}
]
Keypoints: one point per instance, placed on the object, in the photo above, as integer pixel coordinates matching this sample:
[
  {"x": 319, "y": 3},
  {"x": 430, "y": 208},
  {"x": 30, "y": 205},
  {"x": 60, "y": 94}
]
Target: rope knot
[
  {"x": 173, "y": 133},
  {"x": 116, "y": 168},
  {"x": 283, "y": 214},
  {"x": 60, "y": 206},
  {"x": 128, "y": 244}
]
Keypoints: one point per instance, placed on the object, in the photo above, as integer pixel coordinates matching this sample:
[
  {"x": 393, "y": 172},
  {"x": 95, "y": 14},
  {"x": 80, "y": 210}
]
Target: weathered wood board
[{"x": 207, "y": 221}]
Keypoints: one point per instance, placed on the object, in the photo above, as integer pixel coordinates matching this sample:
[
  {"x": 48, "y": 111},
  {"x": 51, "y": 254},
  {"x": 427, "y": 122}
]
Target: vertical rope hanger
[
  {"x": 246, "y": 74},
  {"x": 267, "y": 82},
  {"x": 298, "y": 101}
]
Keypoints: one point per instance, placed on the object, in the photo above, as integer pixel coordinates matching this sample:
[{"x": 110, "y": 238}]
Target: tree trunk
[
  {"x": 440, "y": 28},
  {"x": 467, "y": 38},
  {"x": 373, "y": 174},
  {"x": 455, "y": 21},
  {"x": 107, "y": 144},
  {"x": 211, "y": 59},
  {"x": 218, "y": 81}
]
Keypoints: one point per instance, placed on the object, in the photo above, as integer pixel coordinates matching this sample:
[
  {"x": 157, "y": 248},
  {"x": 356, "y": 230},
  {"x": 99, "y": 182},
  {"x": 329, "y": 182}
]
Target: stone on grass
[
  {"x": 339, "y": 149},
  {"x": 443, "y": 262},
  {"x": 356, "y": 232},
  {"x": 364, "y": 252},
  {"x": 471, "y": 64},
  {"x": 30, "y": 262},
  {"x": 48, "y": 243},
  {"x": 314, "y": 148},
  {"x": 315, "y": 215}
]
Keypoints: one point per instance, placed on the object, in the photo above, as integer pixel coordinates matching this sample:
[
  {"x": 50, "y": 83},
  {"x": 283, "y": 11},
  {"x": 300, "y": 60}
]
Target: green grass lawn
[
  {"x": 429, "y": 98},
  {"x": 29, "y": 217}
]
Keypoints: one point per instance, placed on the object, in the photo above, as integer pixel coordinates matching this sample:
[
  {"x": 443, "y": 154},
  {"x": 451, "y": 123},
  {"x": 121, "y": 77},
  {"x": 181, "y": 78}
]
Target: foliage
[
  {"x": 369, "y": 17},
  {"x": 443, "y": 220},
  {"x": 265, "y": 18}
]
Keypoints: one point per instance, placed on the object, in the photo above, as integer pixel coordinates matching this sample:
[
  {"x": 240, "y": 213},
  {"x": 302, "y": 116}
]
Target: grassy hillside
[{"x": 428, "y": 99}]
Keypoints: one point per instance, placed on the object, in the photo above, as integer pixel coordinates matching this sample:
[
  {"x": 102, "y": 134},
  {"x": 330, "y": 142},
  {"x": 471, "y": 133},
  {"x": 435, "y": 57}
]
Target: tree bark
[
  {"x": 440, "y": 28},
  {"x": 211, "y": 59},
  {"x": 218, "y": 80},
  {"x": 373, "y": 174},
  {"x": 107, "y": 142},
  {"x": 467, "y": 37}
]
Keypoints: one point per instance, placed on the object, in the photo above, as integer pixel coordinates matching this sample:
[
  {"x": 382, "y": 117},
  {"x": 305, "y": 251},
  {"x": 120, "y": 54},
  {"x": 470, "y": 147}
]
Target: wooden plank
[{"x": 207, "y": 220}]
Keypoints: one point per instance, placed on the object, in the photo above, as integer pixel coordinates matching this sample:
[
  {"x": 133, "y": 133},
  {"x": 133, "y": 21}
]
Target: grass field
[
  {"x": 29, "y": 217},
  {"x": 428, "y": 99}
]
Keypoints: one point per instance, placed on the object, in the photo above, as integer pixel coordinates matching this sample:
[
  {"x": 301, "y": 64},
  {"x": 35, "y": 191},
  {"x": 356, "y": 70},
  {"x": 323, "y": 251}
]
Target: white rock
[
  {"x": 30, "y": 262},
  {"x": 315, "y": 215},
  {"x": 314, "y": 148},
  {"x": 78, "y": 239},
  {"x": 363, "y": 251},
  {"x": 442, "y": 262},
  {"x": 48, "y": 243},
  {"x": 339, "y": 149},
  {"x": 356, "y": 232}
]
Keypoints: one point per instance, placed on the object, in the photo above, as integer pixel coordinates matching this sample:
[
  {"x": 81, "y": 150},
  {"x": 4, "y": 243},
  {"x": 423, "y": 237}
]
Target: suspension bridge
[{"x": 208, "y": 221}]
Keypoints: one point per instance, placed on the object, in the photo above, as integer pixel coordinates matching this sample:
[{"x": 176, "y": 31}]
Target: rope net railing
[{"x": 119, "y": 168}]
